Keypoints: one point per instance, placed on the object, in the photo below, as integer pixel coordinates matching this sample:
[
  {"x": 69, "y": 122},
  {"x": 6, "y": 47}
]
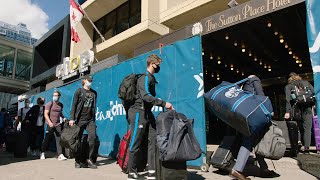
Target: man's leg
[
  {"x": 152, "y": 135},
  {"x": 307, "y": 127},
  {"x": 45, "y": 144},
  {"x": 91, "y": 129},
  {"x": 57, "y": 133},
  {"x": 77, "y": 155},
  {"x": 137, "y": 127}
]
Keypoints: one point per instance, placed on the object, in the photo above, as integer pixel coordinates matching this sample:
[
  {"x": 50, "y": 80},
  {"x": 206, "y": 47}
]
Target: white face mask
[{"x": 88, "y": 84}]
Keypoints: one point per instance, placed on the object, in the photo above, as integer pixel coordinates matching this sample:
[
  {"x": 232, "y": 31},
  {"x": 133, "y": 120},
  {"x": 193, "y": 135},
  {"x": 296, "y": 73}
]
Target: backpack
[
  {"x": 272, "y": 145},
  {"x": 128, "y": 90},
  {"x": 70, "y": 137},
  {"x": 302, "y": 95}
]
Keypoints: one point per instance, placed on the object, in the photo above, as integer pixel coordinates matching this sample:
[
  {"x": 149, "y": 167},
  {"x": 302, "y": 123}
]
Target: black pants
[
  {"x": 56, "y": 131},
  {"x": 90, "y": 127},
  {"x": 142, "y": 125},
  {"x": 36, "y": 137},
  {"x": 305, "y": 125}
]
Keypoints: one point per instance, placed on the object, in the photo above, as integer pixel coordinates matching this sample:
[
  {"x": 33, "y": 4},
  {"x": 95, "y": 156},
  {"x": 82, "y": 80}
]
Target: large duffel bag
[
  {"x": 175, "y": 137},
  {"x": 242, "y": 110},
  {"x": 272, "y": 145},
  {"x": 70, "y": 137}
]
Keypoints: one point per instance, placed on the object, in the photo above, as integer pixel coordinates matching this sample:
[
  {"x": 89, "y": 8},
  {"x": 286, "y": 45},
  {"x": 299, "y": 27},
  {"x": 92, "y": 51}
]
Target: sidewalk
[{"x": 52, "y": 169}]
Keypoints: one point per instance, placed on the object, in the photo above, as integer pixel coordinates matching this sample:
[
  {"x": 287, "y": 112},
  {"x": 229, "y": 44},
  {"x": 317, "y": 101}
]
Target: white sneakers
[
  {"x": 42, "y": 156},
  {"x": 61, "y": 157}
]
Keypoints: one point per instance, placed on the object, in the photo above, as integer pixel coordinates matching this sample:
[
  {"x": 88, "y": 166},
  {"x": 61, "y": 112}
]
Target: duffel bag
[
  {"x": 242, "y": 110},
  {"x": 272, "y": 145},
  {"x": 69, "y": 137}
]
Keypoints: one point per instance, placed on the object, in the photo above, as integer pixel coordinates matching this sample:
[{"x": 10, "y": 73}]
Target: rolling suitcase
[
  {"x": 10, "y": 140},
  {"x": 123, "y": 153},
  {"x": 223, "y": 158},
  {"x": 290, "y": 132},
  {"x": 21, "y": 145},
  {"x": 316, "y": 129}
]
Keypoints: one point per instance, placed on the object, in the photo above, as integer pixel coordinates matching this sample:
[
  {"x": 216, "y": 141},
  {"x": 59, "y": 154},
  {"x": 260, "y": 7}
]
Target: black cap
[
  {"x": 293, "y": 74},
  {"x": 88, "y": 77}
]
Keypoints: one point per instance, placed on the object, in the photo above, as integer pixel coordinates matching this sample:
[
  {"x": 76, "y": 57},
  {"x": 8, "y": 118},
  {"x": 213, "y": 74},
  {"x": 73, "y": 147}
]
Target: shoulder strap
[
  {"x": 50, "y": 108},
  {"x": 21, "y": 112}
]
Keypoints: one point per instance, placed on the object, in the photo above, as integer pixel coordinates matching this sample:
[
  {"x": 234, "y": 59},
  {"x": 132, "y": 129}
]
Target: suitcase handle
[{"x": 314, "y": 111}]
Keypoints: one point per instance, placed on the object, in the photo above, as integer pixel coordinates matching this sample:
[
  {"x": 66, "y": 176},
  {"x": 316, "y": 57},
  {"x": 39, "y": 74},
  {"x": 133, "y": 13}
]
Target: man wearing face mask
[
  {"x": 23, "y": 112},
  {"x": 36, "y": 118},
  {"x": 142, "y": 120},
  {"x": 52, "y": 115},
  {"x": 83, "y": 115}
]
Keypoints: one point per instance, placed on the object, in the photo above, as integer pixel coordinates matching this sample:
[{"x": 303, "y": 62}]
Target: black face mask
[
  {"x": 156, "y": 70},
  {"x": 41, "y": 102}
]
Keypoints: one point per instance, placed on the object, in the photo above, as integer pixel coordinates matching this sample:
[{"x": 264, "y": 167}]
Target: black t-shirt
[{"x": 86, "y": 113}]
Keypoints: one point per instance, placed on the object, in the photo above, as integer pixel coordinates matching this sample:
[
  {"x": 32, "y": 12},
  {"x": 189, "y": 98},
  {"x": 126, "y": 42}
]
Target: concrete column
[{"x": 14, "y": 63}]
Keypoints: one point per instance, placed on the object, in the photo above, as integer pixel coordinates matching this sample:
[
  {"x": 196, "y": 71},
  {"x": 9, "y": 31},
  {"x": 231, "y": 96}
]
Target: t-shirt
[
  {"x": 55, "y": 112},
  {"x": 24, "y": 112},
  {"x": 40, "y": 117},
  {"x": 86, "y": 113}
]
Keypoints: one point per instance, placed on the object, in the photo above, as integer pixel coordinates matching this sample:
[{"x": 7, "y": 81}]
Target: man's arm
[
  {"x": 74, "y": 104},
  {"x": 287, "y": 91},
  {"x": 46, "y": 115},
  {"x": 143, "y": 87}
]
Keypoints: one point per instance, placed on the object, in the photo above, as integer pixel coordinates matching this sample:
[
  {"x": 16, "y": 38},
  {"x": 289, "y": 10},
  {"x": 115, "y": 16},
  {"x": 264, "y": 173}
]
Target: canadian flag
[{"x": 76, "y": 15}]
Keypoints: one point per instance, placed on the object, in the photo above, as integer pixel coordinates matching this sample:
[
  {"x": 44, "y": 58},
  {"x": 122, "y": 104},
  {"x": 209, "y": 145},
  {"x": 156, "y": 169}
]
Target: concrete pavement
[{"x": 51, "y": 169}]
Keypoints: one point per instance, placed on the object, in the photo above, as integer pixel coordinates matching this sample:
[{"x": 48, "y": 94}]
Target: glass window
[
  {"x": 135, "y": 12},
  {"x": 23, "y": 65},
  {"x": 100, "y": 26},
  {"x": 110, "y": 25},
  {"x": 6, "y": 60},
  {"x": 123, "y": 18}
]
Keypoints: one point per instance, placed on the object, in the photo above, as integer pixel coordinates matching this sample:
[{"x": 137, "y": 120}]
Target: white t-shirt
[
  {"x": 24, "y": 112},
  {"x": 40, "y": 117}
]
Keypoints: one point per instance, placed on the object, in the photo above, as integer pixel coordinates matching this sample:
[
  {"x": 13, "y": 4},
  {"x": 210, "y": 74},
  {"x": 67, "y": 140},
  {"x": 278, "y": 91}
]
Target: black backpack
[
  {"x": 128, "y": 90},
  {"x": 303, "y": 95}
]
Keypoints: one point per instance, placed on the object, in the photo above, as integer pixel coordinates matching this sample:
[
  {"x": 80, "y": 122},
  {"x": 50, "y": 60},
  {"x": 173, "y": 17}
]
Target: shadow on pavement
[
  {"x": 105, "y": 161},
  {"x": 309, "y": 163},
  {"x": 8, "y": 158},
  {"x": 194, "y": 175}
]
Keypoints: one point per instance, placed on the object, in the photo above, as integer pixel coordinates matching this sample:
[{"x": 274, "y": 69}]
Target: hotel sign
[
  {"x": 75, "y": 66},
  {"x": 239, "y": 14}
]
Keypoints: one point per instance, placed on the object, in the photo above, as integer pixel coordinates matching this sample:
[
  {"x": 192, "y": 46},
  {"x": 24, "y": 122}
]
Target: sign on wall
[{"x": 75, "y": 66}]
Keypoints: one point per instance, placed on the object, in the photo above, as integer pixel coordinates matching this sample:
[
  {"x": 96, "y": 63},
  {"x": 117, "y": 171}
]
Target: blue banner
[
  {"x": 313, "y": 31},
  {"x": 180, "y": 82}
]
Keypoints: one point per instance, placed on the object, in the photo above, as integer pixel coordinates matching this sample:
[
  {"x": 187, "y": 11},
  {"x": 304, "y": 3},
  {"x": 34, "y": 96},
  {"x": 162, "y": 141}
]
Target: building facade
[
  {"x": 15, "y": 69},
  {"x": 19, "y": 33},
  {"x": 129, "y": 24}
]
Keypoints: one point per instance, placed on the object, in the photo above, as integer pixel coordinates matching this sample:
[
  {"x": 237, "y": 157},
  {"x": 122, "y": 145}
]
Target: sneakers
[
  {"x": 33, "y": 153},
  {"x": 151, "y": 174},
  {"x": 77, "y": 165},
  {"x": 132, "y": 176},
  {"x": 42, "y": 156},
  {"x": 266, "y": 173},
  {"x": 91, "y": 164},
  {"x": 61, "y": 157}
]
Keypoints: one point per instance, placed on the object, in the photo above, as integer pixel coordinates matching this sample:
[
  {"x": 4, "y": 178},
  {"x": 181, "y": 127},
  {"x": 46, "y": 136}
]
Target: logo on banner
[
  {"x": 117, "y": 109},
  {"x": 74, "y": 66},
  {"x": 233, "y": 92},
  {"x": 197, "y": 28},
  {"x": 199, "y": 78}
]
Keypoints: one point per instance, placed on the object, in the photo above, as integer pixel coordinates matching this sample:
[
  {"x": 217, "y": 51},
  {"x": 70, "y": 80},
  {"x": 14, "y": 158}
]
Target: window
[
  {"x": 6, "y": 60},
  {"x": 119, "y": 20},
  {"x": 123, "y": 18},
  {"x": 23, "y": 65},
  {"x": 135, "y": 12}
]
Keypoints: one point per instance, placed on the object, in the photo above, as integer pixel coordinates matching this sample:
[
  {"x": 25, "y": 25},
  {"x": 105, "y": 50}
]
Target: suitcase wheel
[{"x": 204, "y": 167}]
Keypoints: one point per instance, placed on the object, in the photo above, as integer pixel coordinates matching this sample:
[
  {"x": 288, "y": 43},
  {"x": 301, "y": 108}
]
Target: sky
[{"x": 38, "y": 15}]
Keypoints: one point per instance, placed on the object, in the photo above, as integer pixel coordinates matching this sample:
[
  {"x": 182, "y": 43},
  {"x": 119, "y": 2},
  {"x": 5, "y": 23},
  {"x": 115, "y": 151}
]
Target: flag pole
[{"x": 94, "y": 26}]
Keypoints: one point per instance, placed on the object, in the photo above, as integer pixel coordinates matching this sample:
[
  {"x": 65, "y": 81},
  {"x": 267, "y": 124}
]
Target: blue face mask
[
  {"x": 54, "y": 98},
  {"x": 88, "y": 84}
]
